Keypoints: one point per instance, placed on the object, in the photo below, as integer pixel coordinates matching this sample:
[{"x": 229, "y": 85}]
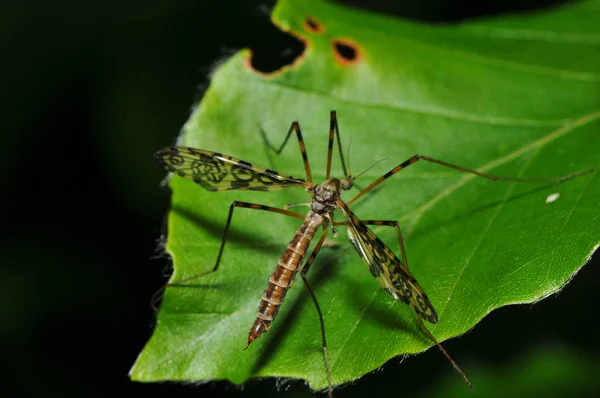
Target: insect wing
[
  {"x": 218, "y": 172},
  {"x": 386, "y": 267}
]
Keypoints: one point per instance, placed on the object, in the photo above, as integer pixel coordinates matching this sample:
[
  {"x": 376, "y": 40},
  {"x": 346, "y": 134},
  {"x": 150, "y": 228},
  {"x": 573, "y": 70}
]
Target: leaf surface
[{"x": 512, "y": 96}]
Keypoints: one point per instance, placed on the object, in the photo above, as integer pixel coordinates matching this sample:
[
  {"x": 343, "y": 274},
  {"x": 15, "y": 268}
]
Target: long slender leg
[
  {"x": 314, "y": 253},
  {"x": 247, "y": 205},
  {"x": 318, "y": 308},
  {"x": 334, "y": 129},
  {"x": 386, "y": 223},
  {"x": 254, "y": 206},
  {"x": 415, "y": 158},
  {"x": 391, "y": 223},
  {"x": 454, "y": 365},
  {"x": 294, "y": 127}
]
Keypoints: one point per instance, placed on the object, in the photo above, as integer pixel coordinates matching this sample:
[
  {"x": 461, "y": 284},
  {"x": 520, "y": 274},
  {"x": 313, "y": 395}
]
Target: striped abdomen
[{"x": 284, "y": 274}]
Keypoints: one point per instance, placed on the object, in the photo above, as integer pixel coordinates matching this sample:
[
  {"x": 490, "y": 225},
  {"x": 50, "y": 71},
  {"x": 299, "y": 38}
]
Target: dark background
[{"x": 89, "y": 93}]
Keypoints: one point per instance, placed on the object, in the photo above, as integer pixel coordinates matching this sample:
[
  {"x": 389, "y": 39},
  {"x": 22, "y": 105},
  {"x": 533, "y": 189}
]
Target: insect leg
[
  {"x": 419, "y": 315},
  {"x": 318, "y": 307},
  {"x": 395, "y": 225},
  {"x": 415, "y": 158},
  {"x": 314, "y": 253},
  {"x": 334, "y": 129},
  {"x": 454, "y": 365},
  {"x": 156, "y": 296},
  {"x": 247, "y": 205},
  {"x": 294, "y": 127}
]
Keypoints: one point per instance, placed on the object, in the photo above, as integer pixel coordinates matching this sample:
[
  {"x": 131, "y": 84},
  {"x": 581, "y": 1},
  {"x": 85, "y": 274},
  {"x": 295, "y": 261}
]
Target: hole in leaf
[
  {"x": 279, "y": 50},
  {"x": 313, "y": 26},
  {"x": 346, "y": 52}
]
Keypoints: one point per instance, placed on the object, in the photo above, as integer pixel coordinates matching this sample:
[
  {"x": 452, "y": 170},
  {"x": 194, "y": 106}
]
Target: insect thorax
[{"x": 327, "y": 193}]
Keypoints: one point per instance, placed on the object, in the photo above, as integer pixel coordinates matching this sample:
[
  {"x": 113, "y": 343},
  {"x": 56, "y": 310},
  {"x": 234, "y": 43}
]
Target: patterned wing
[
  {"x": 218, "y": 172},
  {"x": 389, "y": 271}
]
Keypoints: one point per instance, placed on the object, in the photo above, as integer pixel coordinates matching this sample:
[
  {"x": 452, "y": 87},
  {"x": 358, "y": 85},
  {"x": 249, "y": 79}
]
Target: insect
[{"x": 217, "y": 172}]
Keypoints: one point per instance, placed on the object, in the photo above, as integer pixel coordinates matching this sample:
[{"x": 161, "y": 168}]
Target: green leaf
[{"x": 513, "y": 96}]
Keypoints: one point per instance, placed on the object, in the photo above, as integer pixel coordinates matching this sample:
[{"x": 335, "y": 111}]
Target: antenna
[{"x": 369, "y": 168}]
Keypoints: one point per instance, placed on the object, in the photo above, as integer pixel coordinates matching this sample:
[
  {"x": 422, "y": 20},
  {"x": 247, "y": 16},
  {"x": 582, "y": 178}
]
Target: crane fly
[{"x": 218, "y": 172}]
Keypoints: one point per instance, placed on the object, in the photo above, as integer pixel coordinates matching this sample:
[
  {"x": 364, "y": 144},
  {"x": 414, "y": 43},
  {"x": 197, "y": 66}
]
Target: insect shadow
[
  {"x": 380, "y": 311},
  {"x": 250, "y": 240},
  {"x": 236, "y": 235}
]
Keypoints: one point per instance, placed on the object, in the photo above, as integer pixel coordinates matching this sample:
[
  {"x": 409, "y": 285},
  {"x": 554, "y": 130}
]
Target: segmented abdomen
[{"x": 283, "y": 276}]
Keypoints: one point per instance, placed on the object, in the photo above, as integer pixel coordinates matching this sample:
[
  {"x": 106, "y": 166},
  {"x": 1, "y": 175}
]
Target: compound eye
[{"x": 346, "y": 184}]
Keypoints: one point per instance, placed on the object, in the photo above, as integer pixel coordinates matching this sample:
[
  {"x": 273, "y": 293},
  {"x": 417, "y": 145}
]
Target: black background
[{"x": 89, "y": 93}]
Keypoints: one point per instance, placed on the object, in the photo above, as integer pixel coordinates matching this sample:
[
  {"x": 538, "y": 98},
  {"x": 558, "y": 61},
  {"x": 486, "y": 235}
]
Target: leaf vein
[
  {"x": 478, "y": 244},
  {"x": 567, "y": 219},
  {"x": 554, "y": 135},
  {"x": 490, "y": 120},
  {"x": 352, "y": 329}
]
